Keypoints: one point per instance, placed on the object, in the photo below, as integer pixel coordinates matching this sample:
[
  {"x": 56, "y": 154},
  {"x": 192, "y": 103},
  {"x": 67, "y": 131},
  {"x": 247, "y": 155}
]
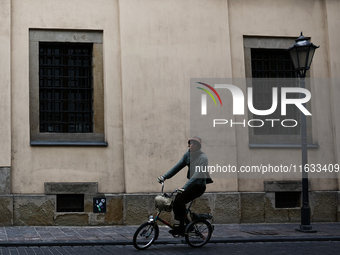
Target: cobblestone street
[{"x": 233, "y": 248}]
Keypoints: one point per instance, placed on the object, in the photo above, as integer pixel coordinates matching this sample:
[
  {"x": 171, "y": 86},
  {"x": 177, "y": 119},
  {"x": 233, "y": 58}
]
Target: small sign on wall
[{"x": 99, "y": 205}]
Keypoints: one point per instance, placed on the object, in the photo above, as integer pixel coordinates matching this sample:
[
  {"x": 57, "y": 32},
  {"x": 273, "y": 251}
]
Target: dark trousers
[{"x": 184, "y": 198}]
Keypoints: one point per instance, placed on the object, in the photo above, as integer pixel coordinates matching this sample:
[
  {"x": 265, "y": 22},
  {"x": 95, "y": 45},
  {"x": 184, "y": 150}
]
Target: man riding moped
[{"x": 196, "y": 184}]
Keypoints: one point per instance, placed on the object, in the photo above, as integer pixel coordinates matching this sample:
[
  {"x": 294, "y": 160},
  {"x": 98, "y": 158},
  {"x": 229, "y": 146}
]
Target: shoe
[{"x": 177, "y": 231}]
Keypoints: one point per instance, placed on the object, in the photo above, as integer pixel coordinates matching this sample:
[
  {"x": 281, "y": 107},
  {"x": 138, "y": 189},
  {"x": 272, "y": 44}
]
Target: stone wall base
[{"x": 133, "y": 209}]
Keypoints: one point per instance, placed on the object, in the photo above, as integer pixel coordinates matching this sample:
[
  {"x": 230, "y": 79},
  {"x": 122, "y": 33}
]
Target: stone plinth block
[
  {"x": 52, "y": 188},
  {"x": 6, "y": 210},
  {"x": 323, "y": 206},
  {"x": 136, "y": 209},
  {"x": 114, "y": 210},
  {"x": 252, "y": 207},
  {"x": 227, "y": 208},
  {"x": 71, "y": 219},
  {"x": 33, "y": 210},
  {"x": 273, "y": 214}
]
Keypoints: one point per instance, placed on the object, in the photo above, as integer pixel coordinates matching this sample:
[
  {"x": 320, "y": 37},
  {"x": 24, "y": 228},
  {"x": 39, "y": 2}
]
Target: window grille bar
[
  {"x": 287, "y": 199},
  {"x": 70, "y": 203},
  {"x": 65, "y": 87},
  {"x": 272, "y": 63}
]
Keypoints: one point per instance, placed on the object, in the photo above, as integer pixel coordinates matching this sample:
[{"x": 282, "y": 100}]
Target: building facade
[{"x": 94, "y": 102}]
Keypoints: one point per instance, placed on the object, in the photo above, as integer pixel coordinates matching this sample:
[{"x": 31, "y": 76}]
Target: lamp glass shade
[
  {"x": 294, "y": 56},
  {"x": 302, "y": 57},
  {"x": 310, "y": 56}
]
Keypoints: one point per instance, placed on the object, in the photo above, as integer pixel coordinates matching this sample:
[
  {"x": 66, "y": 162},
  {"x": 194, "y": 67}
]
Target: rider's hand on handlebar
[
  {"x": 180, "y": 191},
  {"x": 161, "y": 179}
]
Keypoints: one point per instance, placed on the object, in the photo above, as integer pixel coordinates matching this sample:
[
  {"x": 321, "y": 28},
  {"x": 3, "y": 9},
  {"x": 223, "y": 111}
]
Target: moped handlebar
[{"x": 163, "y": 194}]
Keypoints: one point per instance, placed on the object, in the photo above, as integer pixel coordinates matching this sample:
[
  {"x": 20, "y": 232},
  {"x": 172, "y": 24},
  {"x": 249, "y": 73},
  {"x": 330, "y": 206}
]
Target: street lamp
[{"x": 301, "y": 53}]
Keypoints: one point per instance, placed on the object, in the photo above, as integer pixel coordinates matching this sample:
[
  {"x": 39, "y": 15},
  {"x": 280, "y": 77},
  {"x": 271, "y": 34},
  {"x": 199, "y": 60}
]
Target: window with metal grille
[
  {"x": 70, "y": 203},
  {"x": 267, "y": 64},
  {"x": 65, "y": 87},
  {"x": 287, "y": 199},
  {"x": 271, "y": 63}
]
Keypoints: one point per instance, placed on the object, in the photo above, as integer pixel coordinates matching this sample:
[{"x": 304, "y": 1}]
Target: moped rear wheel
[
  {"x": 145, "y": 235},
  {"x": 198, "y": 233}
]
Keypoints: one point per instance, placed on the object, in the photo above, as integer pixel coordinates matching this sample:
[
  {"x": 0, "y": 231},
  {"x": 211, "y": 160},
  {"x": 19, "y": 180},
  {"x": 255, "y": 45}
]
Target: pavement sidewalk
[{"x": 122, "y": 235}]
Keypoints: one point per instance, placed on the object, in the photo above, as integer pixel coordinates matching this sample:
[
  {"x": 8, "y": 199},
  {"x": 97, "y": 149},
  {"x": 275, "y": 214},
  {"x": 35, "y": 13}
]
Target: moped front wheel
[
  {"x": 145, "y": 235},
  {"x": 198, "y": 233}
]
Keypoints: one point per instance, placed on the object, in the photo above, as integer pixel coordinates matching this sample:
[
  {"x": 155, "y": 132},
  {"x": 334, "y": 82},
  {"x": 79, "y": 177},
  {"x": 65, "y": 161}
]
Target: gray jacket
[{"x": 192, "y": 160}]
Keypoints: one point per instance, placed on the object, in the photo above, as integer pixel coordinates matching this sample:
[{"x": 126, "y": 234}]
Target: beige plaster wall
[
  {"x": 32, "y": 166},
  {"x": 151, "y": 49},
  {"x": 285, "y": 19},
  {"x": 333, "y": 9},
  {"x": 164, "y": 44},
  {"x": 169, "y": 42},
  {"x": 5, "y": 81}
]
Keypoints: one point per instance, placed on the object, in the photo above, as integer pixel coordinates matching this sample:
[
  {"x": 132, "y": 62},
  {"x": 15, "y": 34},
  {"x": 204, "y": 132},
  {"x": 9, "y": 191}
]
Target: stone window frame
[
  {"x": 97, "y": 137},
  {"x": 272, "y": 187},
  {"x": 88, "y": 189},
  {"x": 273, "y": 141}
]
